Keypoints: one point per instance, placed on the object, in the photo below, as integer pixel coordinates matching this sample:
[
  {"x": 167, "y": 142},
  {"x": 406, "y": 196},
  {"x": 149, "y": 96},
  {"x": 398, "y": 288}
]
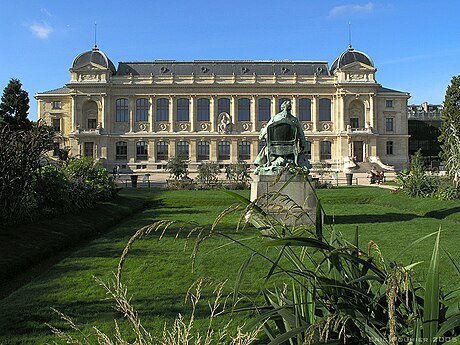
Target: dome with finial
[
  {"x": 349, "y": 56},
  {"x": 95, "y": 56}
]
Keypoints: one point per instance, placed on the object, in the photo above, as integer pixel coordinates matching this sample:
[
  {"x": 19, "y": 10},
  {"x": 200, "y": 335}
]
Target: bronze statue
[{"x": 285, "y": 144}]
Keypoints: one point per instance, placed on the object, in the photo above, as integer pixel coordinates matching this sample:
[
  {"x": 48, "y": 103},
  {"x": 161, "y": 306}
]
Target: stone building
[{"x": 141, "y": 113}]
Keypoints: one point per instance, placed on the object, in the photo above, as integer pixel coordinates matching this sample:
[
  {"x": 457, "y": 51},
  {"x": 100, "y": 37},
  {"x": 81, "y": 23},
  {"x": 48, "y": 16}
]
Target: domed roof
[
  {"x": 95, "y": 56},
  {"x": 349, "y": 56}
]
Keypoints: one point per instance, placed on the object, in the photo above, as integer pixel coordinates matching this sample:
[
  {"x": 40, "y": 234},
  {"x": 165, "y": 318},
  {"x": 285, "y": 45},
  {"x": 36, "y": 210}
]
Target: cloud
[
  {"x": 41, "y": 30},
  {"x": 48, "y": 13},
  {"x": 338, "y": 11}
]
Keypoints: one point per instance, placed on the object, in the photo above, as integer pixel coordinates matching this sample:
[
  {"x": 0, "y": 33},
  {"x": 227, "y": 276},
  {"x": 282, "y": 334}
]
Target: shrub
[
  {"x": 51, "y": 191},
  {"x": 177, "y": 167},
  {"x": 208, "y": 173},
  {"x": 239, "y": 174}
]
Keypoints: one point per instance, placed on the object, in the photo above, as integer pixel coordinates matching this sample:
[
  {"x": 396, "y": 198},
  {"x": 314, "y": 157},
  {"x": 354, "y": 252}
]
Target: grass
[{"x": 158, "y": 273}]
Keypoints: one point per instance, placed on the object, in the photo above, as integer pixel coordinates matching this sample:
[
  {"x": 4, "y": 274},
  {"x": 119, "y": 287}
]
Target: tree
[
  {"x": 177, "y": 167},
  {"x": 14, "y": 107},
  {"x": 450, "y": 129}
]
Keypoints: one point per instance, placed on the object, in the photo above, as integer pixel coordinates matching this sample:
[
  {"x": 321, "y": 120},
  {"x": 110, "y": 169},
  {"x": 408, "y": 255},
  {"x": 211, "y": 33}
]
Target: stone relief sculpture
[
  {"x": 224, "y": 123},
  {"x": 285, "y": 144}
]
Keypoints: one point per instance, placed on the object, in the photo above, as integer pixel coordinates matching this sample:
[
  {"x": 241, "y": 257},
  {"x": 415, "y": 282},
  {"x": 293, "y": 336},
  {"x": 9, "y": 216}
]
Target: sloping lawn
[{"x": 158, "y": 272}]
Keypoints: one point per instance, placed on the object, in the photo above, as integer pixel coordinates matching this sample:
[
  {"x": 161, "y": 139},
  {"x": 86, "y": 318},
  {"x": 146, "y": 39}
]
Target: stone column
[
  {"x": 212, "y": 113},
  {"x": 103, "y": 117},
  {"x": 274, "y": 107},
  {"x": 131, "y": 151},
  {"x": 213, "y": 150},
  {"x": 192, "y": 150},
  {"x": 341, "y": 115},
  {"x": 192, "y": 113},
  {"x": 131, "y": 107},
  {"x": 253, "y": 114},
  {"x": 315, "y": 113},
  {"x": 74, "y": 114},
  {"x": 233, "y": 110},
  {"x": 315, "y": 151},
  {"x": 151, "y": 152},
  {"x": 234, "y": 150},
  {"x": 172, "y": 148},
  {"x": 295, "y": 110},
  {"x": 151, "y": 117},
  {"x": 254, "y": 148},
  {"x": 172, "y": 120},
  {"x": 371, "y": 111}
]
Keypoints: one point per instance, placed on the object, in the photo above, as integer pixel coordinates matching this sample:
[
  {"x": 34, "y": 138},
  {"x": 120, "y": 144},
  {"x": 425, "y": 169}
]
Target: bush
[
  {"x": 208, "y": 173},
  {"x": 239, "y": 173},
  {"x": 85, "y": 170},
  {"x": 177, "y": 167},
  {"x": 51, "y": 191}
]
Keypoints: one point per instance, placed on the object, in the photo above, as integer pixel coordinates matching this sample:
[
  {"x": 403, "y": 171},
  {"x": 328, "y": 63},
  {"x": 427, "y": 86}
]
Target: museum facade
[{"x": 140, "y": 114}]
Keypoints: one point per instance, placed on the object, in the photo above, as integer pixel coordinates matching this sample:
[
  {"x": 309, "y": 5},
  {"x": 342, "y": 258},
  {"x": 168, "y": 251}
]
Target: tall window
[
  {"x": 308, "y": 150},
  {"x": 244, "y": 150},
  {"x": 142, "y": 109},
  {"x": 223, "y": 105},
  {"x": 325, "y": 150},
  {"x": 202, "y": 109},
  {"x": 389, "y": 103},
  {"x": 305, "y": 109},
  {"x": 141, "y": 151},
  {"x": 182, "y": 109},
  {"x": 389, "y": 147},
  {"x": 202, "y": 151},
  {"x": 354, "y": 122},
  {"x": 223, "y": 151},
  {"x": 325, "y": 109},
  {"x": 264, "y": 109},
  {"x": 92, "y": 123},
  {"x": 121, "y": 110},
  {"x": 281, "y": 101},
  {"x": 162, "y": 151},
  {"x": 162, "y": 109},
  {"x": 57, "y": 125},
  {"x": 121, "y": 150},
  {"x": 182, "y": 149},
  {"x": 244, "y": 109},
  {"x": 389, "y": 121}
]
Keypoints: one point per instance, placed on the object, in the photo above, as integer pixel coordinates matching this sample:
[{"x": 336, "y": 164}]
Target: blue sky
[{"x": 415, "y": 45}]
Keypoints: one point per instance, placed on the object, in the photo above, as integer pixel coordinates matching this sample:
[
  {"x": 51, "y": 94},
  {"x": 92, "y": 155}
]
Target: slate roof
[
  {"x": 62, "y": 90},
  {"x": 227, "y": 67},
  {"x": 349, "y": 56},
  {"x": 385, "y": 89}
]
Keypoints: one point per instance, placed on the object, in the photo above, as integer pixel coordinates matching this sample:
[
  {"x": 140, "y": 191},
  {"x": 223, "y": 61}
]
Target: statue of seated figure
[{"x": 285, "y": 144}]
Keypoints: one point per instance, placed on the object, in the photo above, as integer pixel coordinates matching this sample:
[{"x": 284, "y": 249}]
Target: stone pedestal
[{"x": 290, "y": 199}]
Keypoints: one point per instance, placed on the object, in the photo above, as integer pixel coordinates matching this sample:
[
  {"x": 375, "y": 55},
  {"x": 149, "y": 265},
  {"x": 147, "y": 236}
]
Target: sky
[{"x": 415, "y": 45}]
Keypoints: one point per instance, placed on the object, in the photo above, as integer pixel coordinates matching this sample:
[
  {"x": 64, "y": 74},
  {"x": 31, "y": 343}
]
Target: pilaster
[
  {"x": 172, "y": 120},
  {"x": 212, "y": 112},
  {"x": 192, "y": 113},
  {"x": 151, "y": 117},
  {"x": 253, "y": 114},
  {"x": 131, "y": 112}
]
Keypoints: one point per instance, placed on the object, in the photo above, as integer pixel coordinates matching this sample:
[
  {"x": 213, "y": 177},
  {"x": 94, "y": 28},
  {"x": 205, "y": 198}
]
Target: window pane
[
  {"x": 203, "y": 151},
  {"x": 389, "y": 124},
  {"x": 244, "y": 150},
  {"x": 162, "y": 109},
  {"x": 223, "y": 105},
  {"x": 142, "y": 109},
  {"x": 162, "y": 151},
  {"x": 325, "y": 109},
  {"x": 121, "y": 150},
  {"x": 389, "y": 147},
  {"x": 182, "y": 109},
  {"x": 264, "y": 109},
  {"x": 244, "y": 109},
  {"x": 325, "y": 150},
  {"x": 305, "y": 109},
  {"x": 223, "y": 150},
  {"x": 57, "y": 125},
  {"x": 202, "y": 109},
  {"x": 141, "y": 150},
  {"x": 121, "y": 106},
  {"x": 183, "y": 149},
  {"x": 354, "y": 122}
]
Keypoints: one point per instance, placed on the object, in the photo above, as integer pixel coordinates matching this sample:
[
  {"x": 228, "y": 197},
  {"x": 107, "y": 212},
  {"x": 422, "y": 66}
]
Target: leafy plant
[
  {"x": 208, "y": 173},
  {"x": 51, "y": 191},
  {"x": 177, "y": 167}
]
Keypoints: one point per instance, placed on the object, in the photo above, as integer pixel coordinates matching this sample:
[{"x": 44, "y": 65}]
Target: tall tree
[
  {"x": 450, "y": 130},
  {"x": 14, "y": 107}
]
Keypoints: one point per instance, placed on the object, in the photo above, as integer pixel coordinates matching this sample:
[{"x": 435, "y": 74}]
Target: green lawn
[{"x": 158, "y": 273}]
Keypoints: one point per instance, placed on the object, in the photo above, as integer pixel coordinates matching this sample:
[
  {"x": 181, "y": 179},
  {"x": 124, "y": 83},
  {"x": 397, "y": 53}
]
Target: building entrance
[{"x": 358, "y": 151}]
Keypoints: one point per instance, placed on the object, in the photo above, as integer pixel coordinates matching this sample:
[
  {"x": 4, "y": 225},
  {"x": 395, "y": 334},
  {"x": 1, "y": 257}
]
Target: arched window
[
  {"x": 182, "y": 149},
  {"x": 162, "y": 151},
  {"x": 121, "y": 110},
  {"x": 142, "y": 109},
  {"x": 264, "y": 109},
  {"x": 281, "y": 101},
  {"x": 325, "y": 109},
  {"x": 308, "y": 149},
  {"x": 121, "y": 150},
  {"x": 202, "y": 109},
  {"x": 305, "y": 109},
  {"x": 244, "y": 150},
  {"x": 182, "y": 109},
  {"x": 244, "y": 109},
  {"x": 162, "y": 109},
  {"x": 223, "y": 105},
  {"x": 325, "y": 150},
  {"x": 223, "y": 151},
  {"x": 141, "y": 151},
  {"x": 202, "y": 151}
]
